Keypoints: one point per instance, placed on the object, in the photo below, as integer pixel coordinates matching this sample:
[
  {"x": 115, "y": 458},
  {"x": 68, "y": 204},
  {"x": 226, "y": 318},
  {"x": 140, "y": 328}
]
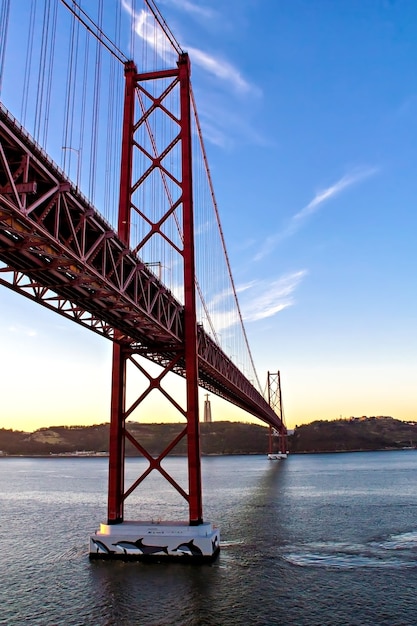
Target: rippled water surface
[{"x": 313, "y": 540}]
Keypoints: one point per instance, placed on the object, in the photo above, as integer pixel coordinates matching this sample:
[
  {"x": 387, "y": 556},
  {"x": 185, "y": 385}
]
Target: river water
[{"x": 313, "y": 540}]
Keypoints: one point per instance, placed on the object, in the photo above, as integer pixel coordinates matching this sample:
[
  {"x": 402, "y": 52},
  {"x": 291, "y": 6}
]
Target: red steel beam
[
  {"x": 117, "y": 440},
  {"x": 118, "y": 389},
  {"x": 190, "y": 316}
]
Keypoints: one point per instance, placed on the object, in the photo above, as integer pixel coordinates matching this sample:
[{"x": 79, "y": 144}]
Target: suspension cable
[
  {"x": 163, "y": 25},
  {"x": 203, "y": 150},
  {"x": 95, "y": 30}
]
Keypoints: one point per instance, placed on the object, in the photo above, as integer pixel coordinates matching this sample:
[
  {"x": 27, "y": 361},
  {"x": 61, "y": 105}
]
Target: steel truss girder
[{"x": 31, "y": 289}]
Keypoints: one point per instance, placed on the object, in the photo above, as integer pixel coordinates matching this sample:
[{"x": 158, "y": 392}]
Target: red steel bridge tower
[
  {"x": 277, "y": 436},
  {"x": 195, "y": 538}
]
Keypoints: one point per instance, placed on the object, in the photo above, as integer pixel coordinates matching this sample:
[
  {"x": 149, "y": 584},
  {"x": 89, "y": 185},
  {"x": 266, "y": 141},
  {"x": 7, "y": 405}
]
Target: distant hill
[
  {"x": 356, "y": 433},
  {"x": 216, "y": 438}
]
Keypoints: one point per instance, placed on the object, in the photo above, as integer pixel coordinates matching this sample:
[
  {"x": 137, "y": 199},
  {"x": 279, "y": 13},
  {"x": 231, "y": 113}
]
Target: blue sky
[{"x": 308, "y": 109}]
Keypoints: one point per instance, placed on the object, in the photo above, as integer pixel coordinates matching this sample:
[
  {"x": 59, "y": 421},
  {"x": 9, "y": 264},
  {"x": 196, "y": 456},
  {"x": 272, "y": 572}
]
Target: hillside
[
  {"x": 216, "y": 438},
  {"x": 357, "y": 433}
]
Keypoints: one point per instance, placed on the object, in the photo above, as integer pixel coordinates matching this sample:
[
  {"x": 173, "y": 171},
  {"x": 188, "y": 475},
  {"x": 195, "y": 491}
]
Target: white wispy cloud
[
  {"x": 148, "y": 29},
  {"x": 219, "y": 300},
  {"x": 258, "y": 300},
  {"x": 322, "y": 196},
  {"x": 267, "y": 298},
  {"x": 215, "y": 65},
  {"x": 222, "y": 69},
  {"x": 215, "y": 135},
  {"x": 192, "y": 8},
  {"x": 223, "y": 122}
]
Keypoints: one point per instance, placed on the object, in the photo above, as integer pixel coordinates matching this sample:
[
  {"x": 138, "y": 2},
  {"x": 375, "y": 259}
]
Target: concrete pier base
[{"x": 156, "y": 541}]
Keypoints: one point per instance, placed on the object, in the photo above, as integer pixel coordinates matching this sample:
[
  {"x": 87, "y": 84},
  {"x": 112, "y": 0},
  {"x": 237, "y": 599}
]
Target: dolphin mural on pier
[
  {"x": 188, "y": 548},
  {"x": 101, "y": 547},
  {"x": 131, "y": 547}
]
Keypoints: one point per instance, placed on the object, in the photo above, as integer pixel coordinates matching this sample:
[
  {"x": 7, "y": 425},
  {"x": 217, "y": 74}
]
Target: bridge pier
[{"x": 156, "y": 541}]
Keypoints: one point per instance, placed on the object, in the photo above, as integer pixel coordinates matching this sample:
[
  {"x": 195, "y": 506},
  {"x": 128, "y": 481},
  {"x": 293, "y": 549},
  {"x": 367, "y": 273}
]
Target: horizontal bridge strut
[{"x": 60, "y": 252}]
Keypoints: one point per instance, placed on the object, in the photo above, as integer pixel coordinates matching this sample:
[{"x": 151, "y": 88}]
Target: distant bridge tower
[
  {"x": 207, "y": 410},
  {"x": 277, "y": 437}
]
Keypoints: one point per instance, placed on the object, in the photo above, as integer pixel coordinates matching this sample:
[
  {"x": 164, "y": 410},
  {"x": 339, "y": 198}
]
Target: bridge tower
[
  {"x": 192, "y": 539},
  {"x": 277, "y": 437}
]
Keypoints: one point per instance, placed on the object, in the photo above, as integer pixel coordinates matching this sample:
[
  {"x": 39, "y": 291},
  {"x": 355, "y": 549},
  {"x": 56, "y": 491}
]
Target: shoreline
[{"x": 105, "y": 455}]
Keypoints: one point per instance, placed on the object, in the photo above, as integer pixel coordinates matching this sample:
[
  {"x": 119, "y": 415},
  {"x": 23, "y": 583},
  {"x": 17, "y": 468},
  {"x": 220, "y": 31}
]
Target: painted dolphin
[
  {"x": 126, "y": 545},
  {"x": 188, "y": 548},
  {"x": 101, "y": 547},
  {"x": 150, "y": 549},
  {"x": 139, "y": 546},
  {"x": 215, "y": 543}
]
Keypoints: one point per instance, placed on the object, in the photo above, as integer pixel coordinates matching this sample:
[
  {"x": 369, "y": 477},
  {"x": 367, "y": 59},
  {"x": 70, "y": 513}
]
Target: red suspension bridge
[{"x": 150, "y": 271}]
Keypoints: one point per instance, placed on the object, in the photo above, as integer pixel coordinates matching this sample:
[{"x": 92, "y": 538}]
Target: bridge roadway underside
[{"x": 60, "y": 252}]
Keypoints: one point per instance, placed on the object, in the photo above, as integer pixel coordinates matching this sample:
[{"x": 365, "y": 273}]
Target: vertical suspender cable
[
  {"x": 111, "y": 172},
  {"x": 96, "y": 109},
  {"x": 50, "y": 73},
  {"x": 65, "y": 138},
  {"x": 42, "y": 69},
  {"x": 117, "y": 126},
  {"x": 133, "y": 29},
  {"x": 109, "y": 140},
  {"x": 28, "y": 63},
  {"x": 203, "y": 149},
  {"x": 4, "y": 27},
  {"x": 71, "y": 118},
  {"x": 83, "y": 106}
]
